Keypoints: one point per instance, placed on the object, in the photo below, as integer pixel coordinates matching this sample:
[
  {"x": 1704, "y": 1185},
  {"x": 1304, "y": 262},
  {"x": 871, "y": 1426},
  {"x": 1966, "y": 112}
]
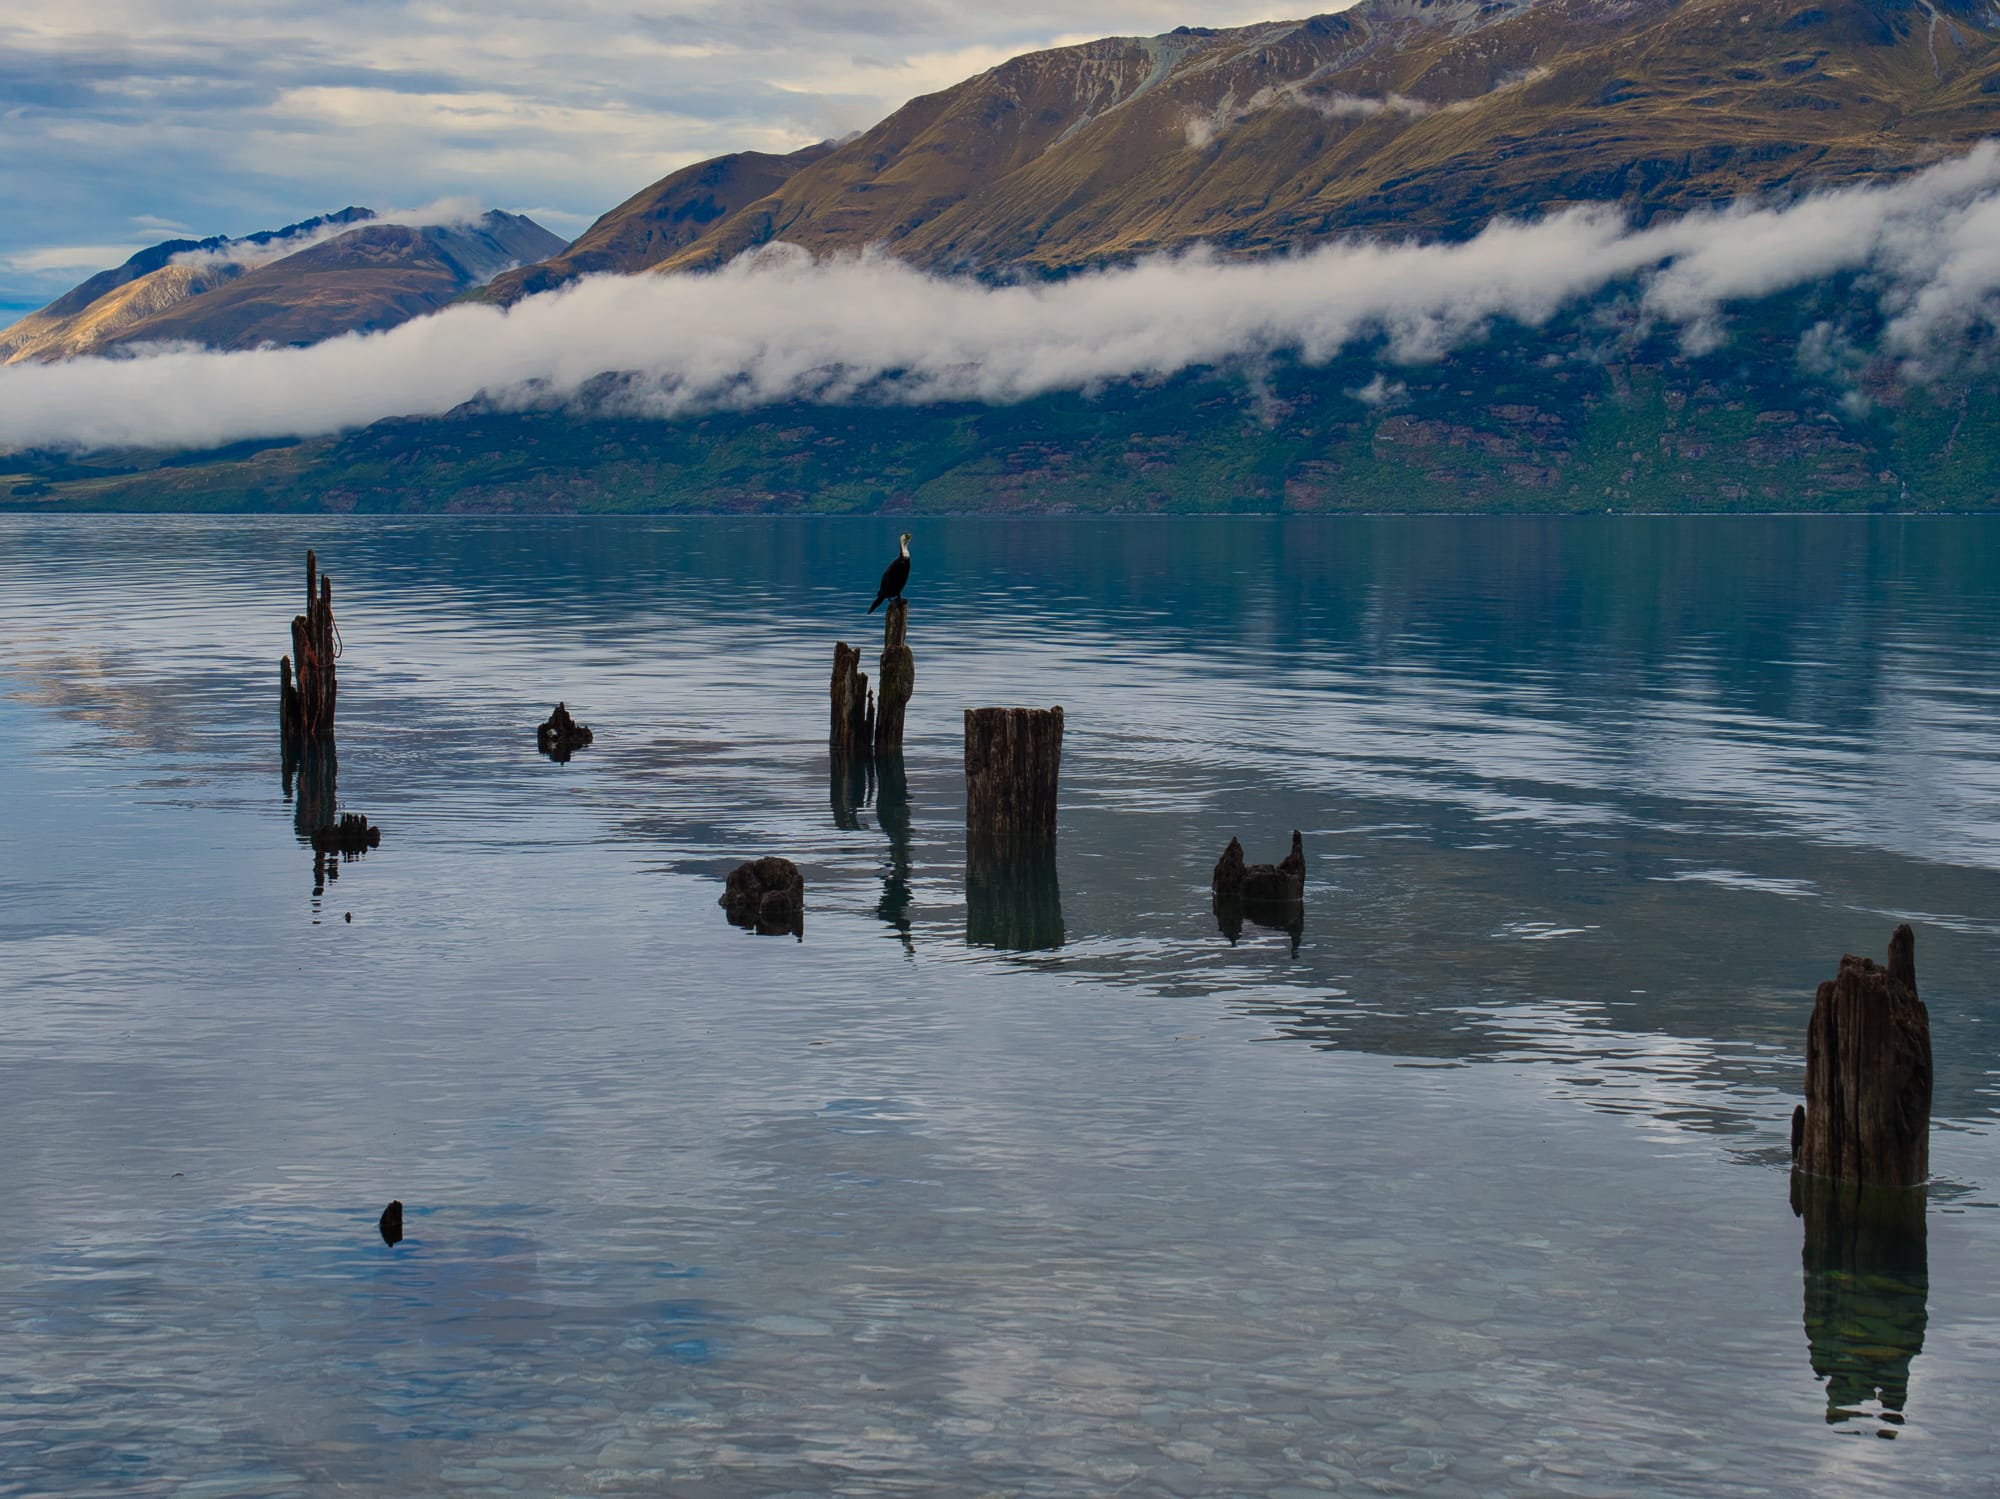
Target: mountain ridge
[
  {"x": 1427, "y": 117},
  {"x": 352, "y": 272}
]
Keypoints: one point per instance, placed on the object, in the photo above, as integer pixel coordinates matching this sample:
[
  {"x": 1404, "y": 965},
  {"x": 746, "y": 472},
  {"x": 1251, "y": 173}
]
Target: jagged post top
[{"x": 1866, "y": 1118}]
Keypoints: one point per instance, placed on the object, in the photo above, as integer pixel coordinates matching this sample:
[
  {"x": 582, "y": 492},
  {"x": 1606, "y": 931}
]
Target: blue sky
[{"x": 132, "y": 121}]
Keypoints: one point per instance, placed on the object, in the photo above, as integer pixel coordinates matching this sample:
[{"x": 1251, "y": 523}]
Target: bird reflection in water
[
  {"x": 1867, "y": 1293},
  {"x": 1013, "y": 901}
]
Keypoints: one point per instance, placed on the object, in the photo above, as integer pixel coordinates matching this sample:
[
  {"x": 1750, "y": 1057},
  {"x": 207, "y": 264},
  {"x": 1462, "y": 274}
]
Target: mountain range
[
  {"x": 345, "y": 272},
  {"x": 1394, "y": 121},
  {"x": 1404, "y": 117}
]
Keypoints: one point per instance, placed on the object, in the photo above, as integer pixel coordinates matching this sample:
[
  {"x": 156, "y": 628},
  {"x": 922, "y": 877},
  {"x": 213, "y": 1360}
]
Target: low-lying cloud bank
[{"x": 778, "y": 326}]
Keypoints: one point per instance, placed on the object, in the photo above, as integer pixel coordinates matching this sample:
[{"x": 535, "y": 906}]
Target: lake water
[{"x": 1475, "y": 1184}]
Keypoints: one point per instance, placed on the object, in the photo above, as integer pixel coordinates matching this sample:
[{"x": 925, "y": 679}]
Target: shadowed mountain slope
[{"x": 658, "y": 221}]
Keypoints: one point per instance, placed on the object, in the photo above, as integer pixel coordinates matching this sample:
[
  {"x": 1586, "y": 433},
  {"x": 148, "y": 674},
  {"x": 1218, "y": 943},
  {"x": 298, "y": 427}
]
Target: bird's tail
[{"x": 874, "y": 606}]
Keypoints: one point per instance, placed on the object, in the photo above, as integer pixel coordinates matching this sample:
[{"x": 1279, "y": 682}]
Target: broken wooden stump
[
  {"x": 307, "y": 690},
  {"x": 1269, "y": 895},
  {"x": 351, "y": 835},
  {"x": 1261, "y": 884},
  {"x": 897, "y": 680},
  {"x": 1867, "y": 1112},
  {"x": 768, "y": 895},
  {"x": 561, "y": 736},
  {"x": 852, "y": 732},
  {"x": 1013, "y": 757}
]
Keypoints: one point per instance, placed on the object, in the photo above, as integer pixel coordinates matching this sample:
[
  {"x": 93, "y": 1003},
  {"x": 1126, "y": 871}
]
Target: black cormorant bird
[{"x": 893, "y": 579}]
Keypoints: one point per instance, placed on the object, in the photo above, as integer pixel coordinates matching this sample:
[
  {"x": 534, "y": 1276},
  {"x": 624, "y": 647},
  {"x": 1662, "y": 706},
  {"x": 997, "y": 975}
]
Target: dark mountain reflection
[
  {"x": 1013, "y": 903},
  {"x": 1867, "y": 1293}
]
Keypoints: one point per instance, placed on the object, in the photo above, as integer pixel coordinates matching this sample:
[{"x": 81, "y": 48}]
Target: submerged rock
[
  {"x": 561, "y": 736},
  {"x": 351, "y": 835},
  {"x": 768, "y": 894}
]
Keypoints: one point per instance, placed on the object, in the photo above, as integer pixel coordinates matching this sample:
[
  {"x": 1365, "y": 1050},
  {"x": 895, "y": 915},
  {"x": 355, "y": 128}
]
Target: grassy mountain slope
[
  {"x": 78, "y": 320},
  {"x": 369, "y": 278},
  {"x": 1496, "y": 427},
  {"x": 236, "y": 294},
  {"x": 1396, "y": 115},
  {"x": 657, "y": 221}
]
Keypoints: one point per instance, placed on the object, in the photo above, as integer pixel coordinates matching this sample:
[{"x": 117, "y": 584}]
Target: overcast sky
[{"x": 131, "y": 121}]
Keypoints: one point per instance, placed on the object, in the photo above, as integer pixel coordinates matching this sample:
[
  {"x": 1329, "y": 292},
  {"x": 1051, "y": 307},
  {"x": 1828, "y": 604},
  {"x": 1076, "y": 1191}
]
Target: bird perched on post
[{"x": 894, "y": 577}]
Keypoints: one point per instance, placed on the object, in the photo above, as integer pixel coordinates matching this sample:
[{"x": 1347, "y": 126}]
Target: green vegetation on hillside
[{"x": 1496, "y": 428}]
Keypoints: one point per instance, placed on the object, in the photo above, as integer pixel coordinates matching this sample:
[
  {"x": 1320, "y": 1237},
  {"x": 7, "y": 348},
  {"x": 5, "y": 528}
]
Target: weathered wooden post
[
  {"x": 852, "y": 733},
  {"x": 896, "y": 681},
  {"x": 1867, "y": 1115},
  {"x": 306, "y": 693},
  {"x": 1012, "y": 758}
]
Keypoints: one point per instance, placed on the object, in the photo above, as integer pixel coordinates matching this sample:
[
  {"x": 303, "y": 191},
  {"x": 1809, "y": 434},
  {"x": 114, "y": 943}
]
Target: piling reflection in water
[
  {"x": 1287, "y": 916},
  {"x": 1013, "y": 901},
  {"x": 1867, "y": 1294},
  {"x": 310, "y": 775},
  {"x": 850, "y": 783},
  {"x": 892, "y": 811}
]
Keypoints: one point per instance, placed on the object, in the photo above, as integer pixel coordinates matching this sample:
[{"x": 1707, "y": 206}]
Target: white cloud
[
  {"x": 69, "y": 259},
  {"x": 776, "y": 326},
  {"x": 248, "y": 253},
  {"x": 230, "y": 116}
]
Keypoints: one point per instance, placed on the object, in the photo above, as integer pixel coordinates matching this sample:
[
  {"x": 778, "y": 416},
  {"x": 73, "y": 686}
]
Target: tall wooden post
[
  {"x": 1867, "y": 1114},
  {"x": 896, "y": 681},
  {"x": 852, "y": 732},
  {"x": 1012, "y": 758},
  {"x": 307, "y": 690}
]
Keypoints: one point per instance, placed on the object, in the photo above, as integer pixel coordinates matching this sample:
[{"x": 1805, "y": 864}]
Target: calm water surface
[{"x": 1475, "y": 1184}]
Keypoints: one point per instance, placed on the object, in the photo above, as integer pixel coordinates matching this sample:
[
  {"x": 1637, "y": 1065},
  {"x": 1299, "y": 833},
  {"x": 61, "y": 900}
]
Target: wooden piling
[
  {"x": 1012, "y": 759},
  {"x": 1868, "y": 1075},
  {"x": 852, "y": 732},
  {"x": 307, "y": 691},
  {"x": 896, "y": 681}
]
